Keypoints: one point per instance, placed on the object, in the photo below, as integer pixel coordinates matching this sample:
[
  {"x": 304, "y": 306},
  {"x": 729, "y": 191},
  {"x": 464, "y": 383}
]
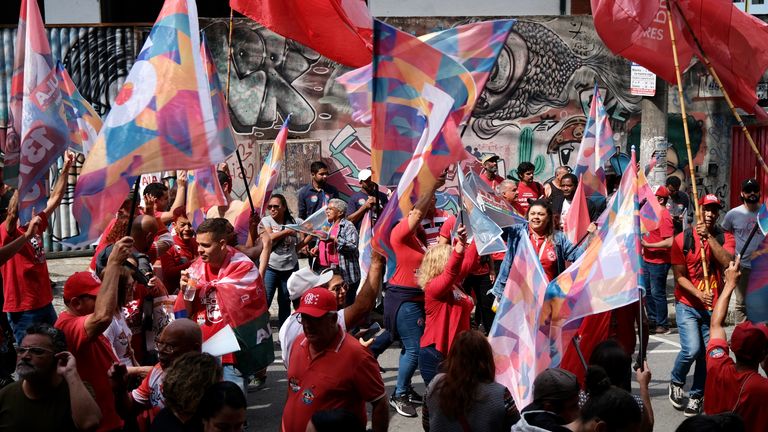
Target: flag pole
[
  {"x": 237, "y": 150},
  {"x": 134, "y": 201},
  {"x": 714, "y": 74},
  {"x": 697, "y": 207}
]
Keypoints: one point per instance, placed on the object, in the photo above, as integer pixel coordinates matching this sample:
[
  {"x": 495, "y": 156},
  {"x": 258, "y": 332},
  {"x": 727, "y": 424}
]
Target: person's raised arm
[
  {"x": 732, "y": 273},
  {"x": 180, "y": 200},
  {"x": 106, "y": 301},
  {"x": 370, "y": 290},
  {"x": 9, "y": 250},
  {"x": 60, "y": 187},
  {"x": 86, "y": 414},
  {"x": 424, "y": 202}
]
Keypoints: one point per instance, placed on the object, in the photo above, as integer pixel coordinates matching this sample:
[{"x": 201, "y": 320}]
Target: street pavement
[{"x": 265, "y": 406}]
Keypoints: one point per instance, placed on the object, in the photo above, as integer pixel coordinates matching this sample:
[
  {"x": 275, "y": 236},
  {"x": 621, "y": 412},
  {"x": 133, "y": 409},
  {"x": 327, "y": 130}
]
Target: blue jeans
[
  {"x": 277, "y": 281},
  {"x": 410, "y": 327},
  {"x": 21, "y": 320},
  {"x": 231, "y": 374},
  {"x": 655, "y": 284},
  {"x": 693, "y": 325},
  {"x": 429, "y": 362}
]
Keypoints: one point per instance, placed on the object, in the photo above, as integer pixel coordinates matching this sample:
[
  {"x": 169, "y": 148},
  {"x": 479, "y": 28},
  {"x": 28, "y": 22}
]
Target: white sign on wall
[{"x": 643, "y": 81}]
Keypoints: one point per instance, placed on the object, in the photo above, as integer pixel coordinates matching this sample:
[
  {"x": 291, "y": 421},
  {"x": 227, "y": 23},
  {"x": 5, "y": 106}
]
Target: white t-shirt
[
  {"x": 119, "y": 335},
  {"x": 292, "y": 329}
]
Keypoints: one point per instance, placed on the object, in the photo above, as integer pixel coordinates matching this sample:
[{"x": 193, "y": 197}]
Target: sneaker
[
  {"x": 661, "y": 330},
  {"x": 676, "y": 395},
  {"x": 694, "y": 406},
  {"x": 402, "y": 406},
  {"x": 413, "y": 397},
  {"x": 256, "y": 383}
]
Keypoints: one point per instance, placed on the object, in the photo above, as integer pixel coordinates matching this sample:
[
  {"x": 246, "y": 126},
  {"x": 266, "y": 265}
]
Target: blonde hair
[{"x": 434, "y": 263}]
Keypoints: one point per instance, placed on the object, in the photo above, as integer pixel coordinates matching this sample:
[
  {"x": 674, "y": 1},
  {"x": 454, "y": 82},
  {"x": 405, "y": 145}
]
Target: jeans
[
  {"x": 381, "y": 343},
  {"x": 739, "y": 294},
  {"x": 693, "y": 325},
  {"x": 410, "y": 327},
  {"x": 277, "y": 280},
  {"x": 655, "y": 284},
  {"x": 429, "y": 362},
  {"x": 21, "y": 320},
  {"x": 231, "y": 374}
]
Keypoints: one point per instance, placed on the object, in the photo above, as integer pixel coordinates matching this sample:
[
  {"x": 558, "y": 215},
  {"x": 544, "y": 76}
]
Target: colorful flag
[
  {"x": 337, "y": 29},
  {"x": 762, "y": 219},
  {"x": 594, "y": 152},
  {"x": 577, "y": 220},
  {"x": 40, "y": 133},
  {"x": 515, "y": 337},
  {"x": 84, "y": 123},
  {"x": 420, "y": 95},
  {"x": 476, "y": 46},
  {"x": 605, "y": 277},
  {"x": 264, "y": 183},
  {"x": 170, "y": 114},
  {"x": 365, "y": 251},
  {"x": 650, "y": 209},
  {"x": 316, "y": 225},
  {"x": 638, "y": 30},
  {"x": 480, "y": 228},
  {"x": 203, "y": 192},
  {"x": 493, "y": 206},
  {"x": 757, "y": 288},
  {"x": 732, "y": 40}
]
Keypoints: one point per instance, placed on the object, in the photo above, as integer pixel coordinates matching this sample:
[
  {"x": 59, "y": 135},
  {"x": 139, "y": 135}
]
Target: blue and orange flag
[
  {"x": 203, "y": 192},
  {"x": 84, "y": 122},
  {"x": 757, "y": 289},
  {"x": 264, "y": 183},
  {"x": 40, "y": 132},
  {"x": 596, "y": 149},
  {"x": 170, "y": 114}
]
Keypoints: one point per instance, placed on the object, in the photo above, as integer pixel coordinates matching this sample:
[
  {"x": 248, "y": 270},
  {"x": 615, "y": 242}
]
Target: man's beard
[
  {"x": 492, "y": 170},
  {"x": 29, "y": 372},
  {"x": 752, "y": 199}
]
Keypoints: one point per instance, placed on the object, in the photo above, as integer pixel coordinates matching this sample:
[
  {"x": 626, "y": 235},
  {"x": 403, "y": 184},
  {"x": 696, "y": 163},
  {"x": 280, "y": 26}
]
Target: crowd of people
[{"x": 133, "y": 348}]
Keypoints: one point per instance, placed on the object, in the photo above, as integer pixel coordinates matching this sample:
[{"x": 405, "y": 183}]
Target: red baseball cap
[
  {"x": 749, "y": 341},
  {"x": 710, "y": 199},
  {"x": 81, "y": 283},
  {"x": 317, "y": 302},
  {"x": 662, "y": 191}
]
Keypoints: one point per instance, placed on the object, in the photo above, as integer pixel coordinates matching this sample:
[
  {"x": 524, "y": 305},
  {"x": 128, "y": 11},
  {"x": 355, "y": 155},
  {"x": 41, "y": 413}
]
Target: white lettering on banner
[
  {"x": 263, "y": 334},
  {"x": 47, "y": 92},
  {"x": 34, "y": 194},
  {"x": 36, "y": 146}
]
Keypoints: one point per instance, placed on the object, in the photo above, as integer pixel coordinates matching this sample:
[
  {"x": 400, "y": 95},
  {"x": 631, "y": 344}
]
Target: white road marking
[{"x": 658, "y": 339}]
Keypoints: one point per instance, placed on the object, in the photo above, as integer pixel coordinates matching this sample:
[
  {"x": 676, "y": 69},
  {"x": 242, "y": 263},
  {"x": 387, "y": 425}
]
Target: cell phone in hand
[{"x": 371, "y": 332}]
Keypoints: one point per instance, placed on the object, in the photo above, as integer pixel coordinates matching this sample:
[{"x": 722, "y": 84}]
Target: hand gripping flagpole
[
  {"x": 237, "y": 151},
  {"x": 704, "y": 266},
  {"x": 714, "y": 74}
]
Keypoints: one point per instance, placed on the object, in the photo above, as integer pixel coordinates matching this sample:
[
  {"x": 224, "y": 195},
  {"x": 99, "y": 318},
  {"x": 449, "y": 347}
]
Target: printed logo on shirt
[
  {"x": 212, "y": 310},
  {"x": 551, "y": 255},
  {"x": 313, "y": 198},
  {"x": 37, "y": 249},
  {"x": 716, "y": 353},
  {"x": 361, "y": 201},
  {"x": 307, "y": 396},
  {"x": 293, "y": 384}
]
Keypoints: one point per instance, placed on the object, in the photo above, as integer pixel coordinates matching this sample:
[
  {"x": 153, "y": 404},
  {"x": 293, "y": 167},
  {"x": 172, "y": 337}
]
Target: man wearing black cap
[
  {"x": 740, "y": 221},
  {"x": 490, "y": 171}
]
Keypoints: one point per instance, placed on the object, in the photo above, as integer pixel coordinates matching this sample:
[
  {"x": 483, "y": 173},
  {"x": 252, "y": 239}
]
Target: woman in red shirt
[{"x": 447, "y": 307}]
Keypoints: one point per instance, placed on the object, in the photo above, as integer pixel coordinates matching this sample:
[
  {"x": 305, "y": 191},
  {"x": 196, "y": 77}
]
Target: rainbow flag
[
  {"x": 476, "y": 46},
  {"x": 203, "y": 192},
  {"x": 170, "y": 114},
  {"x": 315, "y": 225},
  {"x": 264, "y": 183},
  {"x": 83, "y": 121},
  {"x": 605, "y": 277},
  {"x": 595, "y": 150},
  {"x": 40, "y": 132},
  {"x": 520, "y": 350}
]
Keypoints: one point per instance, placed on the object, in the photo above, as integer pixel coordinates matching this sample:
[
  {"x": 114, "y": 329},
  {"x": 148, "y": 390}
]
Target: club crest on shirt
[
  {"x": 313, "y": 198},
  {"x": 717, "y": 353},
  {"x": 307, "y": 396},
  {"x": 551, "y": 255},
  {"x": 293, "y": 384}
]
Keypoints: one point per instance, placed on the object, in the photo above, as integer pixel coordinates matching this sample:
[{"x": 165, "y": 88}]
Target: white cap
[
  {"x": 304, "y": 279},
  {"x": 364, "y": 174}
]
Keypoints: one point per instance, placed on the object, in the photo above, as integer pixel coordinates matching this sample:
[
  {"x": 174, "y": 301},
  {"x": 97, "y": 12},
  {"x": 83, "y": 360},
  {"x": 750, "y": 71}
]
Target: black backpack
[{"x": 688, "y": 238}]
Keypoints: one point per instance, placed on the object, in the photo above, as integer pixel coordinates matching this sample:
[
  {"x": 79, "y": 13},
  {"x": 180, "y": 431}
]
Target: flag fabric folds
[
  {"x": 762, "y": 219},
  {"x": 38, "y": 118},
  {"x": 203, "y": 192},
  {"x": 338, "y": 29},
  {"x": 577, "y": 220},
  {"x": 756, "y": 298},
  {"x": 515, "y": 336},
  {"x": 316, "y": 225},
  {"x": 595, "y": 150},
  {"x": 264, "y": 183},
  {"x": 365, "y": 251},
  {"x": 650, "y": 209},
  {"x": 480, "y": 228},
  {"x": 170, "y": 114},
  {"x": 84, "y": 122}
]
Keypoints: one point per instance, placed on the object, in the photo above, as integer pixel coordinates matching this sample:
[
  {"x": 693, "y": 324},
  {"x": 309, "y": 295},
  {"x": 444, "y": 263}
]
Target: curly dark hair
[
  {"x": 469, "y": 364},
  {"x": 58, "y": 340},
  {"x": 187, "y": 380}
]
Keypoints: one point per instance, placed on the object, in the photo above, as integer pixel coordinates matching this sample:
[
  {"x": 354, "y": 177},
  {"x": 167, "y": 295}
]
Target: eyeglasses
[
  {"x": 310, "y": 319},
  {"x": 35, "y": 351},
  {"x": 164, "y": 347},
  {"x": 275, "y": 206}
]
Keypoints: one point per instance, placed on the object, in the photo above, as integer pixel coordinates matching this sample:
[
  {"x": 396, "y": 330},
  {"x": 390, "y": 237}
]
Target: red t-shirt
[
  {"x": 344, "y": 376},
  {"x": 209, "y": 315},
  {"x": 693, "y": 269},
  {"x": 410, "y": 251},
  {"x": 526, "y": 191},
  {"x": 447, "y": 307},
  {"x": 480, "y": 267},
  {"x": 727, "y": 388},
  {"x": 150, "y": 394},
  {"x": 545, "y": 249},
  {"x": 493, "y": 181},
  {"x": 433, "y": 225},
  {"x": 94, "y": 358},
  {"x": 665, "y": 230},
  {"x": 178, "y": 258},
  {"x": 26, "y": 284}
]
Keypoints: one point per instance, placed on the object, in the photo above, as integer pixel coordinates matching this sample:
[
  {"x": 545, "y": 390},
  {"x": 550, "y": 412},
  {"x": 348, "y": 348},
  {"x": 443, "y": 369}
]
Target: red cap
[
  {"x": 662, "y": 191},
  {"x": 81, "y": 283},
  {"x": 749, "y": 341},
  {"x": 710, "y": 199},
  {"x": 317, "y": 302}
]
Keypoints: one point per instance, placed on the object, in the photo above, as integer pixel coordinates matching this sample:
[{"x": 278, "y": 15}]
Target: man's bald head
[{"x": 179, "y": 337}]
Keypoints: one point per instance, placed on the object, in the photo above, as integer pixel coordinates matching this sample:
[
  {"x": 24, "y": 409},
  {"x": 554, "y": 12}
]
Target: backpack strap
[{"x": 687, "y": 240}]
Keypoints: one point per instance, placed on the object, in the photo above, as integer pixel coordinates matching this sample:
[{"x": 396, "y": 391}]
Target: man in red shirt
[
  {"x": 693, "y": 303},
  {"x": 329, "y": 369},
  {"x": 527, "y": 188},
  {"x": 490, "y": 171},
  {"x": 181, "y": 254},
  {"x": 27, "y": 292},
  {"x": 736, "y": 386},
  {"x": 90, "y": 307},
  {"x": 656, "y": 263}
]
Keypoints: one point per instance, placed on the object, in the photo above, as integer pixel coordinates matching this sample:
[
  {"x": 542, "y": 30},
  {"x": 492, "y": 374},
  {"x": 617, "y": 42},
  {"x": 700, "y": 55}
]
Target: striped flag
[
  {"x": 170, "y": 114},
  {"x": 203, "y": 192},
  {"x": 83, "y": 121}
]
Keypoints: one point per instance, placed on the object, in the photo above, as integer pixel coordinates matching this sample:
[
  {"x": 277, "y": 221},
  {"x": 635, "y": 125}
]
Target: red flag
[
  {"x": 593, "y": 330},
  {"x": 576, "y": 221},
  {"x": 341, "y": 30},
  {"x": 638, "y": 30},
  {"x": 733, "y": 41}
]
